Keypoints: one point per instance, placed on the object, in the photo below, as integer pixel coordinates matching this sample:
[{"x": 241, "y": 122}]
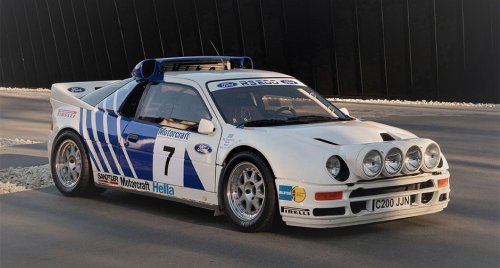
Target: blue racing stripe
[
  {"x": 191, "y": 178},
  {"x": 99, "y": 117},
  {"x": 80, "y": 127},
  {"x": 92, "y": 138},
  {"x": 127, "y": 171},
  {"x": 112, "y": 134}
]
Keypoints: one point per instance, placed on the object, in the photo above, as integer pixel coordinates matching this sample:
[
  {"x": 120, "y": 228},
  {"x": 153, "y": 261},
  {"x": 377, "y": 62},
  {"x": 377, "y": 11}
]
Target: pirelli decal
[{"x": 296, "y": 211}]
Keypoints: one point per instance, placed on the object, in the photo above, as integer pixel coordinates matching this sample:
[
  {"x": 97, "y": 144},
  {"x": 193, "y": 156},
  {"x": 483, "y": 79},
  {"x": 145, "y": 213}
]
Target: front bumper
[{"x": 357, "y": 203}]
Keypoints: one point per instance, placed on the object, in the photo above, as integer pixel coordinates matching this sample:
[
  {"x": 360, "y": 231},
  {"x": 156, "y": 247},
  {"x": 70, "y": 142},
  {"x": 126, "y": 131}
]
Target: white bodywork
[{"x": 296, "y": 156}]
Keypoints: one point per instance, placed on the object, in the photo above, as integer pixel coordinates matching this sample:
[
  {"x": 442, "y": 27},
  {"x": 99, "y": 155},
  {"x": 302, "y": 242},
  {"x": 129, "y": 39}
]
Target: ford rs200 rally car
[{"x": 254, "y": 145}]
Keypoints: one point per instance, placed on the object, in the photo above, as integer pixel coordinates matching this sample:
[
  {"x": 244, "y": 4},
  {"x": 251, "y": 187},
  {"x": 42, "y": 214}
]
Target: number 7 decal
[{"x": 170, "y": 151}]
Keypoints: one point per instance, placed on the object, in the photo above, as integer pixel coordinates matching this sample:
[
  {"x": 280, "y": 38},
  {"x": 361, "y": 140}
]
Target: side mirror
[
  {"x": 345, "y": 111},
  {"x": 206, "y": 127}
]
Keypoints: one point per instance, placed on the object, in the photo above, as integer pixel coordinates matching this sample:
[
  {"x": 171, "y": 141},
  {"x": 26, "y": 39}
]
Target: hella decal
[
  {"x": 289, "y": 82},
  {"x": 163, "y": 188},
  {"x": 76, "y": 89},
  {"x": 227, "y": 84},
  {"x": 203, "y": 148}
]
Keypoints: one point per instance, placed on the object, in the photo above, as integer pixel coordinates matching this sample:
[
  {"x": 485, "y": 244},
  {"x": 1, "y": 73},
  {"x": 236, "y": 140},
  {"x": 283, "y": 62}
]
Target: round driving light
[
  {"x": 432, "y": 156},
  {"x": 413, "y": 159},
  {"x": 393, "y": 161},
  {"x": 372, "y": 163},
  {"x": 333, "y": 165}
]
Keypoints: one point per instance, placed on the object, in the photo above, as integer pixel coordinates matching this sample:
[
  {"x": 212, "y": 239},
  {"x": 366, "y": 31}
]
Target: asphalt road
[{"x": 44, "y": 229}]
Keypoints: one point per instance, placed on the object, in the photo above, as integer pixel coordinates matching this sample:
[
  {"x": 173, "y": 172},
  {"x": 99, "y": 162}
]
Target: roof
[{"x": 207, "y": 76}]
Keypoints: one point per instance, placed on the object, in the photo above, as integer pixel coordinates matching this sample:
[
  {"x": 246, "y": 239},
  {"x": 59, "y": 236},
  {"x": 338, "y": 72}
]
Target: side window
[
  {"x": 129, "y": 107},
  {"x": 172, "y": 105}
]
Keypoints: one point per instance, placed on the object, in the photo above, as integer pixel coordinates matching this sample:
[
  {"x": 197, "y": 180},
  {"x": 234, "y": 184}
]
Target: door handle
[{"x": 133, "y": 137}]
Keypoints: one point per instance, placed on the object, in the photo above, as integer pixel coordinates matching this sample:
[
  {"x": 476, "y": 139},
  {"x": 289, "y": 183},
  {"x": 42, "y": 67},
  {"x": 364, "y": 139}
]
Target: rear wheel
[
  {"x": 249, "y": 193},
  {"x": 70, "y": 166}
]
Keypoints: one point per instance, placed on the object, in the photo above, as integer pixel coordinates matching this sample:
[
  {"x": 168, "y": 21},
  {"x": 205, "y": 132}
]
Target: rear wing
[{"x": 71, "y": 93}]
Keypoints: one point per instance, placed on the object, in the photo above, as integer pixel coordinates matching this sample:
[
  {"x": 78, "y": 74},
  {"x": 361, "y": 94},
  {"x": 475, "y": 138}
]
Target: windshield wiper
[
  {"x": 318, "y": 118},
  {"x": 262, "y": 122}
]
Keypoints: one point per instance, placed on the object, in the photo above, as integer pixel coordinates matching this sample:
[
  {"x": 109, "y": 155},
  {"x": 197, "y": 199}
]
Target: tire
[
  {"x": 249, "y": 194},
  {"x": 70, "y": 166}
]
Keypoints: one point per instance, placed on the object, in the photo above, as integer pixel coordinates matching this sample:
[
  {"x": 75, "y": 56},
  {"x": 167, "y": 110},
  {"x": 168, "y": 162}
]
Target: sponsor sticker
[
  {"x": 255, "y": 82},
  {"x": 296, "y": 211},
  {"x": 66, "y": 113},
  {"x": 289, "y": 193},
  {"x": 203, "y": 148},
  {"x": 135, "y": 184},
  {"x": 289, "y": 82},
  {"x": 259, "y": 82},
  {"x": 76, "y": 89},
  {"x": 163, "y": 188},
  {"x": 175, "y": 134},
  {"x": 107, "y": 179},
  {"x": 226, "y": 84}
]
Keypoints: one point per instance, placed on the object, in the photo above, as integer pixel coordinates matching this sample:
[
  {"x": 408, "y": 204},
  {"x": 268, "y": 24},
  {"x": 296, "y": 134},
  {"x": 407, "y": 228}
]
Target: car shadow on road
[{"x": 203, "y": 217}]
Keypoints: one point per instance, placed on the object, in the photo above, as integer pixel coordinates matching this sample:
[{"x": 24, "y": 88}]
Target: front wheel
[
  {"x": 70, "y": 166},
  {"x": 249, "y": 193}
]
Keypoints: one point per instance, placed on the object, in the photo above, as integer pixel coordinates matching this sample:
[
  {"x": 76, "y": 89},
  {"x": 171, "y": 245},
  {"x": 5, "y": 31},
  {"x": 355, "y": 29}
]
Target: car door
[{"x": 162, "y": 145}]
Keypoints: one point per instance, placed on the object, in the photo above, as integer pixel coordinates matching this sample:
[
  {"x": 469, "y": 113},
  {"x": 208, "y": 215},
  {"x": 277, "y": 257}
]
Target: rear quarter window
[{"x": 95, "y": 97}]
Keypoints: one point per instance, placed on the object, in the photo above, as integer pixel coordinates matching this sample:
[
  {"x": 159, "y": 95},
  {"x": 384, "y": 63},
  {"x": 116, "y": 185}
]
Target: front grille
[
  {"x": 359, "y": 206},
  {"x": 391, "y": 189},
  {"x": 328, "y": 211}
]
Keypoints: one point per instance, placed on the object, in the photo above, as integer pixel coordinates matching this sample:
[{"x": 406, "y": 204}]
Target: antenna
[{"x": 222, "y": 61}]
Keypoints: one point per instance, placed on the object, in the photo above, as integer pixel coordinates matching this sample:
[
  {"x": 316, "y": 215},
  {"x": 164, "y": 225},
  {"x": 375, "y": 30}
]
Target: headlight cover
[
  {"x": 372, "y": 163},
  {"x": 337, "y": 168},
  {"x": 393, "y": 162},
  {"x": 413, "y": 159},
  {"x": 333, "y": 165},
  {"x": 432, "y": 156}
]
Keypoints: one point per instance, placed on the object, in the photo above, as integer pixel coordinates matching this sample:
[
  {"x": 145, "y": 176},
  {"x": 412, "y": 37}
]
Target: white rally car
[{"x": 255, "y": 145}]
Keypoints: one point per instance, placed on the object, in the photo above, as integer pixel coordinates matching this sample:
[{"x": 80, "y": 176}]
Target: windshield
[{"x": 265, "y": 105}]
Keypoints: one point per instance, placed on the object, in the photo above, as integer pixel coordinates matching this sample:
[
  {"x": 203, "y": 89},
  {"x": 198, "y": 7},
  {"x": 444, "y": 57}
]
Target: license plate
[{"x": 393, "y": 203}]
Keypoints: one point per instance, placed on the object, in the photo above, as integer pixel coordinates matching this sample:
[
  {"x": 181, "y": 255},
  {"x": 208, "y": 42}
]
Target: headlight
[
  {"x": 337, "y": 167},
  {"x": 333, "y": 165},
  {"x": 432, "y": 156},
  {"x": 393, "y": 161},
  {"x": 413, "y": 159},
  {"x": 372, "y": 163}
]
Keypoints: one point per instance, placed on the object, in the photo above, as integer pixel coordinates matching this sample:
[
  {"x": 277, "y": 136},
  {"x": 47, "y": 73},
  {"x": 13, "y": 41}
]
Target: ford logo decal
[
  {"x": 203, "y": 148},
  {"x": 76, "y": 89},
  {"x": 227, "y": 84},
  {"x": 289, "y": 82}
]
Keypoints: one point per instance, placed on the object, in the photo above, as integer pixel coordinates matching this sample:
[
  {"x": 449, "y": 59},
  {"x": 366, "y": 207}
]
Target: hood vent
[
  {"x": 325, "y": 141},
  {"x": 386, "y": 137}
]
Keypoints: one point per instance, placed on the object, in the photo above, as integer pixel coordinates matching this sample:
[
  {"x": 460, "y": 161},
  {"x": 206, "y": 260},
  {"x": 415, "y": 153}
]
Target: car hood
[{"x": 345, "y": 132}]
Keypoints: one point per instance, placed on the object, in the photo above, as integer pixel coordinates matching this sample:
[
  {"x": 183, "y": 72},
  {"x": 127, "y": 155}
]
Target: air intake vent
[
  {"x": 386, "y": 137},
  {"x": 325, "y": 141}
]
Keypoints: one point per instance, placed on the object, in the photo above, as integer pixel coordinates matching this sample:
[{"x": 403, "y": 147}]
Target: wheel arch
[
  {"x": 59, "y": 133},
  {"x": 66, "y": 129},
  {"x": 231, "y": 154}
]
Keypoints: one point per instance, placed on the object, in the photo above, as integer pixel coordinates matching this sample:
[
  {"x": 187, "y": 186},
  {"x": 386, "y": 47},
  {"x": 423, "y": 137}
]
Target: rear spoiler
[{"x": 71, "y": 93}]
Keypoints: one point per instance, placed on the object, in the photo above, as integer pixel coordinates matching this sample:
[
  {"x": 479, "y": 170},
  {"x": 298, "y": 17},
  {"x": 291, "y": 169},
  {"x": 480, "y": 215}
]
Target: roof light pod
[
  {"x": 154, "y": 69},
  {"x": 432, "y": 156},
  {"x": 393, "y": 162},
  {"x": 413, "y": 159},
  {"x": 372, "y": 163}
]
